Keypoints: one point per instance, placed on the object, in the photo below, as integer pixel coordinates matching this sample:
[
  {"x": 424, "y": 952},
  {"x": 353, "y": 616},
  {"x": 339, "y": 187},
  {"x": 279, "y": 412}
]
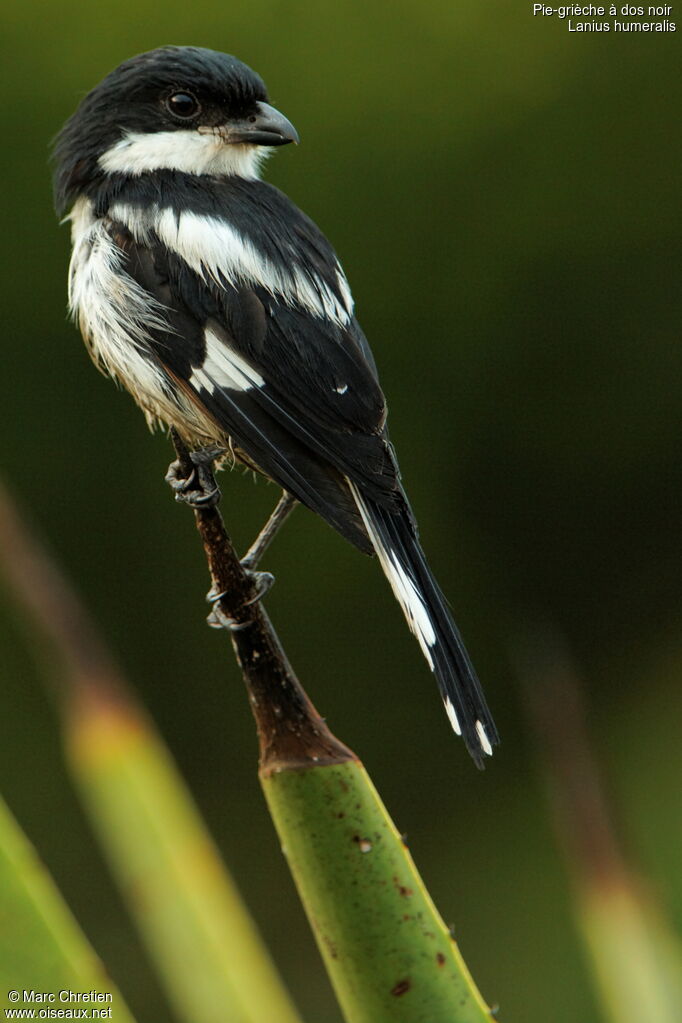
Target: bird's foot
[
  {"x": 198, "y": 489},
  {"x": 217, "y": 619}
]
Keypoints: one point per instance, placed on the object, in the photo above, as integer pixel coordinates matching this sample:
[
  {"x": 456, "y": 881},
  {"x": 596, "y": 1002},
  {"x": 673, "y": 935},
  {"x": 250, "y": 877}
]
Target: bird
[{"x": 225, "y": 312}]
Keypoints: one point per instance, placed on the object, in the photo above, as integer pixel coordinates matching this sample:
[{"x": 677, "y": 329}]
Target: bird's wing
[{"x": 297, "y": 392}]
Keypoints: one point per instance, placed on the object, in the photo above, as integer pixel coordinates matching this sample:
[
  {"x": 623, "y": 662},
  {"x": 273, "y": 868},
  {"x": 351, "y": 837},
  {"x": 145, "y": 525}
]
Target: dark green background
[{"x": 504, "y": 197}]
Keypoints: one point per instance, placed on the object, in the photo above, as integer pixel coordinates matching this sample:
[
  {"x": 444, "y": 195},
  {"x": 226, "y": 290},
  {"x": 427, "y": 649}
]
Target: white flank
[
  {"x": 185, "y": 150},
  {"x": 216, "y": 250},
  {"x": 223, "y": 367},
  {"x": 114, "y": 313},
  {"x": 404, "y": 589},
  {"x": 116, "y": 316},
  {"x": 451, "y": 713},
  {"x": 485, "y": 742}
]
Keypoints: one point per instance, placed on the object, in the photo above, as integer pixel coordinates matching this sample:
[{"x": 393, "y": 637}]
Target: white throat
[{"x": 187, "y": 151}]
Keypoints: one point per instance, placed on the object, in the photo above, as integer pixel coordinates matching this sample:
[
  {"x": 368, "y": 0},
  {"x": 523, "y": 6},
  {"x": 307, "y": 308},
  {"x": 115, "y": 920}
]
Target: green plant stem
[{"x": 385, "y": 946}]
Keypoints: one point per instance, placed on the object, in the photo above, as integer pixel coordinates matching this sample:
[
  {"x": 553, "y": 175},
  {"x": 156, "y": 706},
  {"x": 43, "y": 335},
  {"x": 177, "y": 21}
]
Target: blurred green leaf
[
  {"x": 635, "y": 957},
  {"x": 210, "y": 956},
  {"x": 42, "y": 948}
]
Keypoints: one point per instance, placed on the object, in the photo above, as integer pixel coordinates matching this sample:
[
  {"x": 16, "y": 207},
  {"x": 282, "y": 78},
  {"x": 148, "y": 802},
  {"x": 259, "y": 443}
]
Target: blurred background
[{"x": 504, "y": 197}]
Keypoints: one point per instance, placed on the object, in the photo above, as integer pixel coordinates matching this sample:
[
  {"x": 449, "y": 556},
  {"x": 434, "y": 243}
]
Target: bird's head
[{"x": 180, "y": 108}]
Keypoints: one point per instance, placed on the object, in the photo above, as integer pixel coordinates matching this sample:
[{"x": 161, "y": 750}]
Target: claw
[
  {"x": 199, "y": 489},
  {"x": 262, "y": 582},
  {"x": 174, "y": 478},
  {"x": 217, "y": 619}
]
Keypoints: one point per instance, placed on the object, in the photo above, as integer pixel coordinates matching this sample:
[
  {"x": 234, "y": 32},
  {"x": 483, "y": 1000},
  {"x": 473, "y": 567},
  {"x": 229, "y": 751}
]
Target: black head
[{"x": 182, "y": 104}]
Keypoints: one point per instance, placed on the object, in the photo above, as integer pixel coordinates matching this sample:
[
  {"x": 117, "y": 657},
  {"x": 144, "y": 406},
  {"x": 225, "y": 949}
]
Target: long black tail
[{"x": 425, "y": 608}]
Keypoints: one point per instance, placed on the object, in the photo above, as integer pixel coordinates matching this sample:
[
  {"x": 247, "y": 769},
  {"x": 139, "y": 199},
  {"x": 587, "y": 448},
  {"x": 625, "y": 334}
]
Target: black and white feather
[{"x": 224, "y": 311}]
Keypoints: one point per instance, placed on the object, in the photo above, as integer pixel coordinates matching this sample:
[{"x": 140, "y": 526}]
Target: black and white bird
[{"x": 224, "y": 311}]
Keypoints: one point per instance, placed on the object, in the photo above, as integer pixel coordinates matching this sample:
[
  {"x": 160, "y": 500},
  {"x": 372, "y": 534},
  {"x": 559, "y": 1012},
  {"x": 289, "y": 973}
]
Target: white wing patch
[
  {"x": 215, "y": 250},
  {"x": 344, "y": 288},
  {"x": 223, "y": 367},
  {"x": 404, "y": 589},
  {"x": 187, "y": 151}
]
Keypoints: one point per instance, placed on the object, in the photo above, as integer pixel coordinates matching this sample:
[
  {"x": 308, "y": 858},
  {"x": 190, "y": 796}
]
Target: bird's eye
[{"x": 183, "y": 104}]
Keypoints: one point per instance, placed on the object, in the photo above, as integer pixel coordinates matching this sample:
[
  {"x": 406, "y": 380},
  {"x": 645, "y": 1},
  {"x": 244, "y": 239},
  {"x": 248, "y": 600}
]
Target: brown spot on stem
[
  {"x": 440, "y": 959},
  {"x": 403, "y": 890},
  {"x": 401, "y": 988}
]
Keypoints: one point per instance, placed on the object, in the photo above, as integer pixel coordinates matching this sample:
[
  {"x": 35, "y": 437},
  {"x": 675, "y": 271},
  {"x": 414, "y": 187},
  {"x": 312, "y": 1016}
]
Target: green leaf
[{"x": 43, "y": 949}]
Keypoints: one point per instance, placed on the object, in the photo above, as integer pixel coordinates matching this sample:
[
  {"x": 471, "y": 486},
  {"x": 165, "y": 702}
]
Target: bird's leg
[
  {"x": 284, "y": 507},
  {"x": 191, "y": 477},
  {"x": 262, "y": 581}
]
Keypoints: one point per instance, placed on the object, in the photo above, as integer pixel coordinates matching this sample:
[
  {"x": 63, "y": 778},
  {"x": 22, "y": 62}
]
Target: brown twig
[{"x": 291, "y": 733}]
